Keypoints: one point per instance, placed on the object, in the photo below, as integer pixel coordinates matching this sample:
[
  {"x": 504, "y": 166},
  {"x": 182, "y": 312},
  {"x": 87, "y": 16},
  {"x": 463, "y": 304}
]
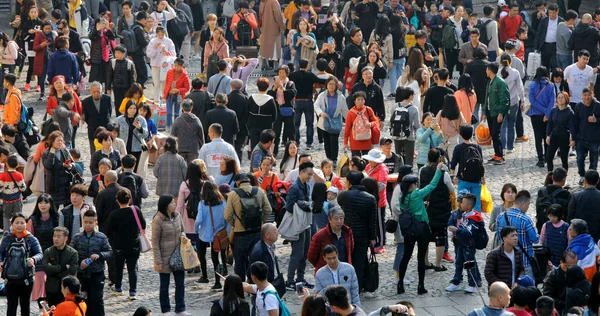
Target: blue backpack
[
  {"x": 283, "y": 309},
  {"x": 24, "y": 125}
]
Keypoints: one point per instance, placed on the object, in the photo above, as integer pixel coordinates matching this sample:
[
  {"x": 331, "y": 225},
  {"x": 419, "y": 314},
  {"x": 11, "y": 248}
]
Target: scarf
[
  {"x": 280, "y": 98},
  {"x": 72, "y": 9},
  {"x": 104, "y": 46},
  {"x": 583, "y": 245},
  {"x": 22, "y": 235}
]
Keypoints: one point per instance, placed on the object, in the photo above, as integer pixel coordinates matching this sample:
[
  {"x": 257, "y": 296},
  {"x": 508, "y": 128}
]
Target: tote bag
[{"x": 145, "y": 244}]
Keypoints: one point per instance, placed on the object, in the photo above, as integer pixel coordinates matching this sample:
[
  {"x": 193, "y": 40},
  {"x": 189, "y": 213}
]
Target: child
[
  {"x": 465, "y": 35},
  {"x": 554, "y": 233},
  {"x": 12, "y": 187},
  {"x": 464, "y": 224},
  {"x": 120, "y": 76},
  {"x": 76, "y": 154},
  {"x": 392, "y": 161},
  {"x": 521, "y": 38},
  {"x": 331, "y": 202},
  {"x": 519, "y": 296},
  {"x": 405, "y": 144},
  {"x": 331, "y": 179}
]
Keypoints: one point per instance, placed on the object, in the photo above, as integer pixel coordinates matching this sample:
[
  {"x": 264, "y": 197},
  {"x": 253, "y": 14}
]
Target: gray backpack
[{"x": 15, "y": 265}]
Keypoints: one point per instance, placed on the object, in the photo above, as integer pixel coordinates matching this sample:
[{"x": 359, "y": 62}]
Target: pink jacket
[{"x": 379, "y": 173}]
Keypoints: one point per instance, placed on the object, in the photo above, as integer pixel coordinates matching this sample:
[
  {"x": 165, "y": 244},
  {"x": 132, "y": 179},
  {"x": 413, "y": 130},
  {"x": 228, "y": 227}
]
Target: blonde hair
[
  {"x": 202, "y": 165},
  {"x": 211, "y": 17}
]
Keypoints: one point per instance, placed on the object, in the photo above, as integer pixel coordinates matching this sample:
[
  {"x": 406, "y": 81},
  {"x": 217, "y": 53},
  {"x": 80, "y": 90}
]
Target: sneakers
[
  {"x": 540, "y": 164},
  {"x": 42, "y": 96},
  {"x": 309, "y": 147},
  {"x": 197, "y": 57},
  {"x": 391, "y": 95},
  {"x": 522, "y": 139},
  {"x": 447, "y": 258},
  {"x": 132, "y": 296},
  {"x": 290, "y": 285},
  {"x": 320, "y": 146},
  {"x": 497, "y": 160},
  {"x": 38, "y": 88},
  {"x": 183, "y": 314},
  {"x": 470, "y": 289},
  {"x": 510, "y": 151},
  {"x": 581, "y": 180},
  {"x": 202, "y": 280},
  {"x": 27, "y": 87},
  {"x": 453, "y": 288},
  {"x": 217, "y": 286},
  {"x": 115, "y": 290},
  {"x": 440, "y": 269},
  {"x": 307, "y": 285},
  {"x": 407, "y": 281},
  {"x": 380, "y": 250}
]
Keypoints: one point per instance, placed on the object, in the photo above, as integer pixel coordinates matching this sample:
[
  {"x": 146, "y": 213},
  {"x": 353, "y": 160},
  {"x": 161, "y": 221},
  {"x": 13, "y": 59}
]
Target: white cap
[{"x": 333, "y": 189}]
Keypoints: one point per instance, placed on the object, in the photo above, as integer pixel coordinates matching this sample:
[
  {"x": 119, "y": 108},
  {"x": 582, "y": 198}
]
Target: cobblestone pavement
[{"x": 520, "y": 170}]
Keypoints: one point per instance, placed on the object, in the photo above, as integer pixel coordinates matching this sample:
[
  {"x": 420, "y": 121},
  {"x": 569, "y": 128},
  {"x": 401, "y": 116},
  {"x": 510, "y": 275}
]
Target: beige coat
[
  {"x": 271, "y": 28},
  {"x": 165, "y": 237}
]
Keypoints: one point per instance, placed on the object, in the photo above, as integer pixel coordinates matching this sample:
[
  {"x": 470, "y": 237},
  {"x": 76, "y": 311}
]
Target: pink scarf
[
  {"x": 105, "y": 46},
  {"x": 280, "y": 98}
]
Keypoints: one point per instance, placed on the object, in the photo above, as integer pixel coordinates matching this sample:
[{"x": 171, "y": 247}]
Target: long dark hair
[
  {"x": 163, "y": 205},
  {"x": 372, "y": 187},
  {"x": 450, "y": 108},
  {"x": 541, "y": 72},
  {"x": 233, "y": 293},
  {"x": 236, "y": 64},
  {"x": 466, "y": 83},
  {"x": 193, "y": 177},
  {"x": 319, "y": 195},
  {"x": 415, "y": 61},
  {"x": 382, "y": 28},
  {"x": 210, "y": 194},
  {"x": 407, "y": 181},
  {"x": 45, "y": 197},
  {"x": 505, "y": 60},
  {"x": 135, "y": 87},
  {"x": 231, "y": 166},
  {"x": 171, "y": 145},
  {"x": 286, "y": 154},
  {"x": 594, "y": 297},
  {"x": 314, "y": 306},
  {"x": 397, "y": 29}
]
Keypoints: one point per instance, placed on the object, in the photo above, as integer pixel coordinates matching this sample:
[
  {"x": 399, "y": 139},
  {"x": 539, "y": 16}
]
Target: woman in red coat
[
  {"x": 57, "y": 89},
  {"x": 177, "y": 86},
  {"x": 43, "y": 45},
  {"x": 359, "y": 147}
]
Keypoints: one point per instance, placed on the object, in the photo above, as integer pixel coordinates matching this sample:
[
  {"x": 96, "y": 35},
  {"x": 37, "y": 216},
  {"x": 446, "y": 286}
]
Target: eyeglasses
[{"x": 60, "y": 28}]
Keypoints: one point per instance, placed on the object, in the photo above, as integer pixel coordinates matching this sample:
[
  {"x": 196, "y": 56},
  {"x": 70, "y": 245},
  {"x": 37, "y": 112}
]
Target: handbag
[
  {"x": 176, "y": 261},
  {"x": 286, "y": 111},
  {"x": 188, "y": 254},
  {"x": 145, "y": 244},
  {"x": 372, "y": 273},
  {"x": 221, "y": 240},
  {"x": 279, "y": 283},
  {"x": 333, "y": 125},
  {"x": 409, "y": 225},
  {"x": 391, "y": 225},
  {"x": 474, "y": 119}
]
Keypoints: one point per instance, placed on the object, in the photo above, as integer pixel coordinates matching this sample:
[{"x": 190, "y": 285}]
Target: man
[
  {"x": 366, "y": 14},
  {"x": 304, "y": 80},
  {"x": 544, "y": 305},
  {"x": 336, "y": 273},
  {"x": 555, "y": 284},
  {"x": 491, "y": 28},
  {"x": 75, "y": 45},
  {"x": 12, "y": 105},
  {"x": 203, "y": 100},
  {"x": 307, "y": 12},
  {"x": 225, "y": 117},
  {"x": 59, "y": 261},
  {"x": 65, "y": 117},
  {"x": 517, "y": 217},
  {"x": 360, "y": 209},
  {"x": 336, "y": 234},
  {"x": 434, "y": 97},
  {"x": 238, "y": 103},
  {"x": 499, "y": 295},
  {"x": 16, "y": 139},
  {"x": 507, "y": 255},
  {"x": 564, "y": 54},
  {"x": 477, "y": 69},
  {"x": 138, "y": 56},
  {"x": 120, "y": 76},
  {"x": 497, "y": 105},
  {"x": 339, "y": 301},
  {"x": 298, "y": 196},
  {"x": 135, "y": 183},
  {"x": 536, "y": 17},
  {"x": 585, "y": 247},
  {"x": 219, "y": 83},
  {"x": 429, "y": 52},
  {"x": 546, "y": 37},
  {"x": 250, "y": 204},
  {"x": 244, "y": 26},
  {"x": 552, "y": 194},
  {"x": 93, "y": 250},
  {"x": 579, "y": 206},
  {"x": 97, "y": 111},
  {"x": 189, "y": 131},
  {"x": 472, "y": 180},
  {"x": 127, "y": 20},
  {"x": 71, "y": 215},
  {"x": 510, "y": 24},
  {"x": 465, "y": 56},
  {"x": 214, "y": 152},
  {"x": 267, "y": 303},
  {"x": 586, "y": 132},
  {"x": 106, "y": 201},
  {"x": 264, "y": 251},
  {"x": 293, "y": 174},
  {"x": 586, "y": 36},
  {"x": 580, "y": 76},
  {"x": 263, "y": 148},
  {"x": 63, "y": 62},
  {"x": 375, "y": 98}
]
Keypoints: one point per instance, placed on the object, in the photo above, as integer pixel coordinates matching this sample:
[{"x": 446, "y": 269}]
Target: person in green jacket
[
  {"x": 497, "y": 106},
  {"x": 59, "y": 261},
  {"x": 412, "y": 201}
]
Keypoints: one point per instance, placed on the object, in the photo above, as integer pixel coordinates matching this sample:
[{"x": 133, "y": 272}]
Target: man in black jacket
[
  {"x": 557, "y": 195},
  {"x": 12, "y": 136},
  {"x": 555, "y": 284},
  {"x": 545, "y": 39},
  {"x": 586, "y": 36},
  {"x": 360, "y": 208},
  {"x": 141, "y": 189},
  {"x": 120, "y": 76},
  {"x": 203, "y": 100},
  {"x": 264, "y": 251},
  {"x": 434, "y": 97},
  {"x": 238, "y": 103},
  {"x": 224, "y": 116},
  {"x": 138, "y": 56},
  {"x": 477, "y": 70},
  {"x": 105, "y": 201},
  {"x": 375, "y": 98},
  {"x": 579, "y": 207},
  {"x": 97, "y": 110}
]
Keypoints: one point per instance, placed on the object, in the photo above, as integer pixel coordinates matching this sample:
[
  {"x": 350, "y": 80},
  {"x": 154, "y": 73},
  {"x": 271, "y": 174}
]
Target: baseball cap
[{"x": 241, "y": 177}]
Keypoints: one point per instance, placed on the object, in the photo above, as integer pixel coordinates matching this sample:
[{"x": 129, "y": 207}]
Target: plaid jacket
[
  {"x": 525, "y": 230},
  {"x": 170, "y": 169}
]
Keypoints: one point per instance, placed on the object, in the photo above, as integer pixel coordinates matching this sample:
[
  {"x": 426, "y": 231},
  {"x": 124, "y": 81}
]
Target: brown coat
[
  {"x": 165, "y": 237},
  {"x": 233, "y": 209},
  {"x": 271, "y": 24}
]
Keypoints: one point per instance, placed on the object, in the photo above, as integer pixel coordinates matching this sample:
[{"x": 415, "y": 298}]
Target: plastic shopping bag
[
  {"x": 165, "y": 65},
  {"x": 486, "y": 200},
  {"x": 188, "y": 254},
  {"x": 482, "y": 134},
  {"x": 160, "y": 115}
]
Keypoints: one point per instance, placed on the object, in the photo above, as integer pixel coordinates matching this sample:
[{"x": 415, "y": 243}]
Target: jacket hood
[
  {"x": 584, "y": 29},
  {"x": 261, "y": 99},
  {"x": 476, "y": 216},
  {"x": 574, "y": 275},
  {"x": 62, "y": 54}
]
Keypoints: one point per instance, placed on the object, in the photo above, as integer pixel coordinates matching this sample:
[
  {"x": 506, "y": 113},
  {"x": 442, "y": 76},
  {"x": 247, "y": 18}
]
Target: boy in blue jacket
[{"x": 464, "y": 224}]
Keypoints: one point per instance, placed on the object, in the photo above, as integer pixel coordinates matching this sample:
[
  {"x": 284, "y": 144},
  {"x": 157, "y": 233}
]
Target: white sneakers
[
  {"x": 454, "y": 288},
  {"x": 470, "y": 289}
]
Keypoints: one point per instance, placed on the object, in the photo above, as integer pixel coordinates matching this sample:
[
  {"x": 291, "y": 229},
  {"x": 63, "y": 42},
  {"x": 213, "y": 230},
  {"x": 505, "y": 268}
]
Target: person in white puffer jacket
[{"x": 157, "y": 49}]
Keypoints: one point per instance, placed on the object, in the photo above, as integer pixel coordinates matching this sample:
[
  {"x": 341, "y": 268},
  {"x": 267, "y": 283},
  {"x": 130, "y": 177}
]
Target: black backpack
[
  {"x": 449, "y": 40},
  {"x": 129, "y": 40},
  {"x": 251, "y": 209},
  {"x": 481, "y": 237},
  {"x": 471, "y": 165},
  {"x": 192, "y": 202},
  {"x": 15, "y": 265},
  {"x": 400, "y": 125},
  {"x": 213, "y": 58},
  {"x": 483, "y": 35},
  {"x": 128, "y": 181},
  {"x": 179, "y": 26},
  {"x": 244, "y": 32},
  {"x": 543, "y": 203}
]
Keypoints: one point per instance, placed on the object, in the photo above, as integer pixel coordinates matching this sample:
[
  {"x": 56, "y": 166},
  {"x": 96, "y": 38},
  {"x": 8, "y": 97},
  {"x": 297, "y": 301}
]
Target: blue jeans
[
  {"x": 395, "y": 73},
  {"x": 172, "y": 104},
  {"x": 507, "y": 133},
  {"x": 307, "y": 108},
  {"x": 165, "y": 302},
  {"x": 299, "y": 256},
  {"x": 242, "y": 247},
  {"x": 564, "y": 60},
  {"x": 462, "y": 255},
  {"x": 583, "y": 147},
  {"x": 398, "y": 257},
  {"x": 474, "y": 188}
]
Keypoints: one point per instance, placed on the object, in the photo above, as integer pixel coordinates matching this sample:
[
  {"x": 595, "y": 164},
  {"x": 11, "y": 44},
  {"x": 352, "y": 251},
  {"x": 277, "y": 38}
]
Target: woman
[
  {"x": 241, "y": 68},
  {"x": 205, "y": 36},
  {"x": 233, "y": 302},
  {"x": 159, "y": 48},
  {"x": 74, "y": 303},
  {"x": 314, "y": 305},
  {"x": 170, "y": 168},
  {"x": 77, "y": 17},
  {"x": 398, "y": 31},
  {"x": 176, "y": 88},
  {"x": 335, "y": 29},
  {"x": 374, "y": 61},
  {"x": 146, "y": 111},
  {"x": 118, "y": 144},
  {"x": 289, "y": 161},
  {"x": 10, "y": 52},
  {"x": 450, "y": 118},
  {"x": 428, "y": 136},
  {"x": 396, "y": 211},
  {"x": 132, "y": 128},
  {"x": 57, "y": 89},
  {"x": 59, "y": 164},
  {"x": 107, "y": 151},
  {"x": 451, "y": 54},
  {"x": 412, "y": 201},
  {"x": 43, "y": 45},
  {"x": 167, "y": 231},
  {"x": 359, "y": 147},
  {"x": 558, "y": 131},
  {"x": 353, "y": 49},
  {"x": 43, "y": 145},
  {"x": 378, "y": 171},
  {"x": 192, "y": 183},
  {"x": 265, "y": 176},
  {"x": 101, "y": 53},
  {"x": 558, "y": 79},
  {"x": 136, "y": 94},
  {"x": 412, "y": 76},
  {"x": 18, "y": 291},
  {"x": 229, "y": 168},
  {"x": 331, "y": 109},
  {"x": 209, "y": 221},
  {"x": 41, "y": 225},
  {"x": 97, "y": 182},
  {"x": 517, "y": 100},
  {"x": 382, "y": 34},
  {"x": 283, "y": 92},
  {"x": 218, "y": 46},
  {"x": 542, "y": 98},
  {"x": 304, "y": 43},
  {"x": 163, "y": 14},
  {"x": 508, "y": 195},
  {"x": 28, "y": 31},
  {"x": 466, "y": 98}
]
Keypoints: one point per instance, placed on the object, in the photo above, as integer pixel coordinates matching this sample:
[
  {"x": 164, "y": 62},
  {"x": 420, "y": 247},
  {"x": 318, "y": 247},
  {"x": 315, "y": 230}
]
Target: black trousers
[
  {"x": 422, "y": 242},
  {"x": 452, "y": 60},
  {"x": 558, "y": 142},
  {"x": 54, "y": 299},
  {"x": 359, "y": 152},
  {"x": 285, "y": 123},
  {"x": 539, "y": 132},
  {"x": 177, "y": 41},
  {"x": 240, "y": 141},
  {"x": 549, "y": 55},
  {"x": 140, "y": 69},
  {"x": 74, "y": 135},
  {"x": 405, "y": 149},
  {"x": 131, "y": 259},
  {"x": 214, "y": 256},
  {"x": 359, "y": 261},
  {"x": 18, "y": 294},
  {"x": 119, "y": 96},
  {"x": 519, "y": 126},
  {"x": 137, "y": 156},
  {"x": 94, "y": 287},
  {"x": 574, "y": 5},
  {"x": 29, "y": 69},
  {"x": 332, "y": 145},
  {"x": 495, "y": 128}
]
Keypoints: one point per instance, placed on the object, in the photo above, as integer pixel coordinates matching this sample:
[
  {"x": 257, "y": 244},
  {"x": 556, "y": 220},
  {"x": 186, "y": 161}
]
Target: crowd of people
[{"x": 415, "y": 170}]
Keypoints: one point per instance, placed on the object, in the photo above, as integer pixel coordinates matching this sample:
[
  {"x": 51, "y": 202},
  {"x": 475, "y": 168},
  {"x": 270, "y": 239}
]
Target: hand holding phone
[{"x": 300, "y": 290}]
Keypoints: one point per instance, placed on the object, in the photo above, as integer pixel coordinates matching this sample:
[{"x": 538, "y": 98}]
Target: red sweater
[
  {"x": 509, "y": 27},
  {"x": 9, "y": 192},
  {"x": 358, "y": 144},
  {"x": 183, "y": 83}
]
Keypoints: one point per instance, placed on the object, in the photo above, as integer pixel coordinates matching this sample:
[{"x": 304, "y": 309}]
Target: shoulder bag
[
  {"x": 145, "y": 244},
  {"x": 539, "y": 271},
  {"x": 372, "y": 273},
  {"x": 221, "y": 240},
  {"x": 409, "y": 225}
]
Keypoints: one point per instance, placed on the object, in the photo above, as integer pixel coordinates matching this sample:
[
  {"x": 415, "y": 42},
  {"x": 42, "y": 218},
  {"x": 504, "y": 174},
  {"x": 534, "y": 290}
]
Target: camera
[{"x": 469, "y": 264}]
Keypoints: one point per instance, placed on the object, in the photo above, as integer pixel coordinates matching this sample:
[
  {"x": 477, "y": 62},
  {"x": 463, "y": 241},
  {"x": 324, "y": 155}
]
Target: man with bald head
[
  {"x": 586, "y": 36},
  {"x": 238, "y": 102},
  {"x": 264, "y": 250},
  {"x": 499, "y": 295}
]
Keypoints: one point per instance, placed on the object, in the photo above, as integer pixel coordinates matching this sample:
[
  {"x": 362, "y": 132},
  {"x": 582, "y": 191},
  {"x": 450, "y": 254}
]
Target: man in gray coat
[{"x": 185, "y": 125}]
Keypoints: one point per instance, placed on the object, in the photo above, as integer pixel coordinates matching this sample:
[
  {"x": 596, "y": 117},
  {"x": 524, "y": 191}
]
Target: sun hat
[{"x": 375, "y": 155}]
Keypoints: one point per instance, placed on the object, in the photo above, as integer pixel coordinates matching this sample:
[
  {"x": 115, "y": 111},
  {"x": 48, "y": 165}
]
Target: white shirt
[
  {"x": 511, "y": 256},
  {"x": 551, "y": 31},
  {"x": 269, "y": 303},
  {"x": 579, "y": 79}
]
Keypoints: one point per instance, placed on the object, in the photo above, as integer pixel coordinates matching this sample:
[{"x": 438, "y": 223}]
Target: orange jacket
[
  {"x": 12, "y": 107},
  {"x": 69, "y": 307},
  {"x": 183, "y": 84},
  {"x": 250, "y": 18}
]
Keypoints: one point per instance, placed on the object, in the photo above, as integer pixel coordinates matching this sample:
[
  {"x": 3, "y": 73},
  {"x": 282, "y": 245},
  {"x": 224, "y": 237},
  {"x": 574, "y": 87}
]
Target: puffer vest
[{"x": 556, "y": 240}]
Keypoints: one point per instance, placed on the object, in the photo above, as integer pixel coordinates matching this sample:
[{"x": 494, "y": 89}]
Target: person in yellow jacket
[
  {"x": 290, "y": 13},
  {"x": 12, "y": 104},
  {"x": 136, "y": 93}
]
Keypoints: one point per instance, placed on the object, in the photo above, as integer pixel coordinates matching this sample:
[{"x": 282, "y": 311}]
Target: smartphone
[
  {"x": 300, "y": 289},
  {"x": 45, "y": 306},
  {"x": 335, "y": 14},
  {"x": 469, "y": 264},
  {"x": 330, "y": 40}
]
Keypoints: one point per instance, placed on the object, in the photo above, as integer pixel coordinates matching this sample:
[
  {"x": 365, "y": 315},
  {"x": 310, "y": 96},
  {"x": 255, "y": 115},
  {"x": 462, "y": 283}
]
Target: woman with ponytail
[{"x": 74, "y": 303}]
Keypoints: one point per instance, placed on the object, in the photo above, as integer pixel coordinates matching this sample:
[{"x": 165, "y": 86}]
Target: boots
[
  {"x": 421, "y": 289},
  {"x": 217, "y": 285},
  {"x": 400, "y": 287}
]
